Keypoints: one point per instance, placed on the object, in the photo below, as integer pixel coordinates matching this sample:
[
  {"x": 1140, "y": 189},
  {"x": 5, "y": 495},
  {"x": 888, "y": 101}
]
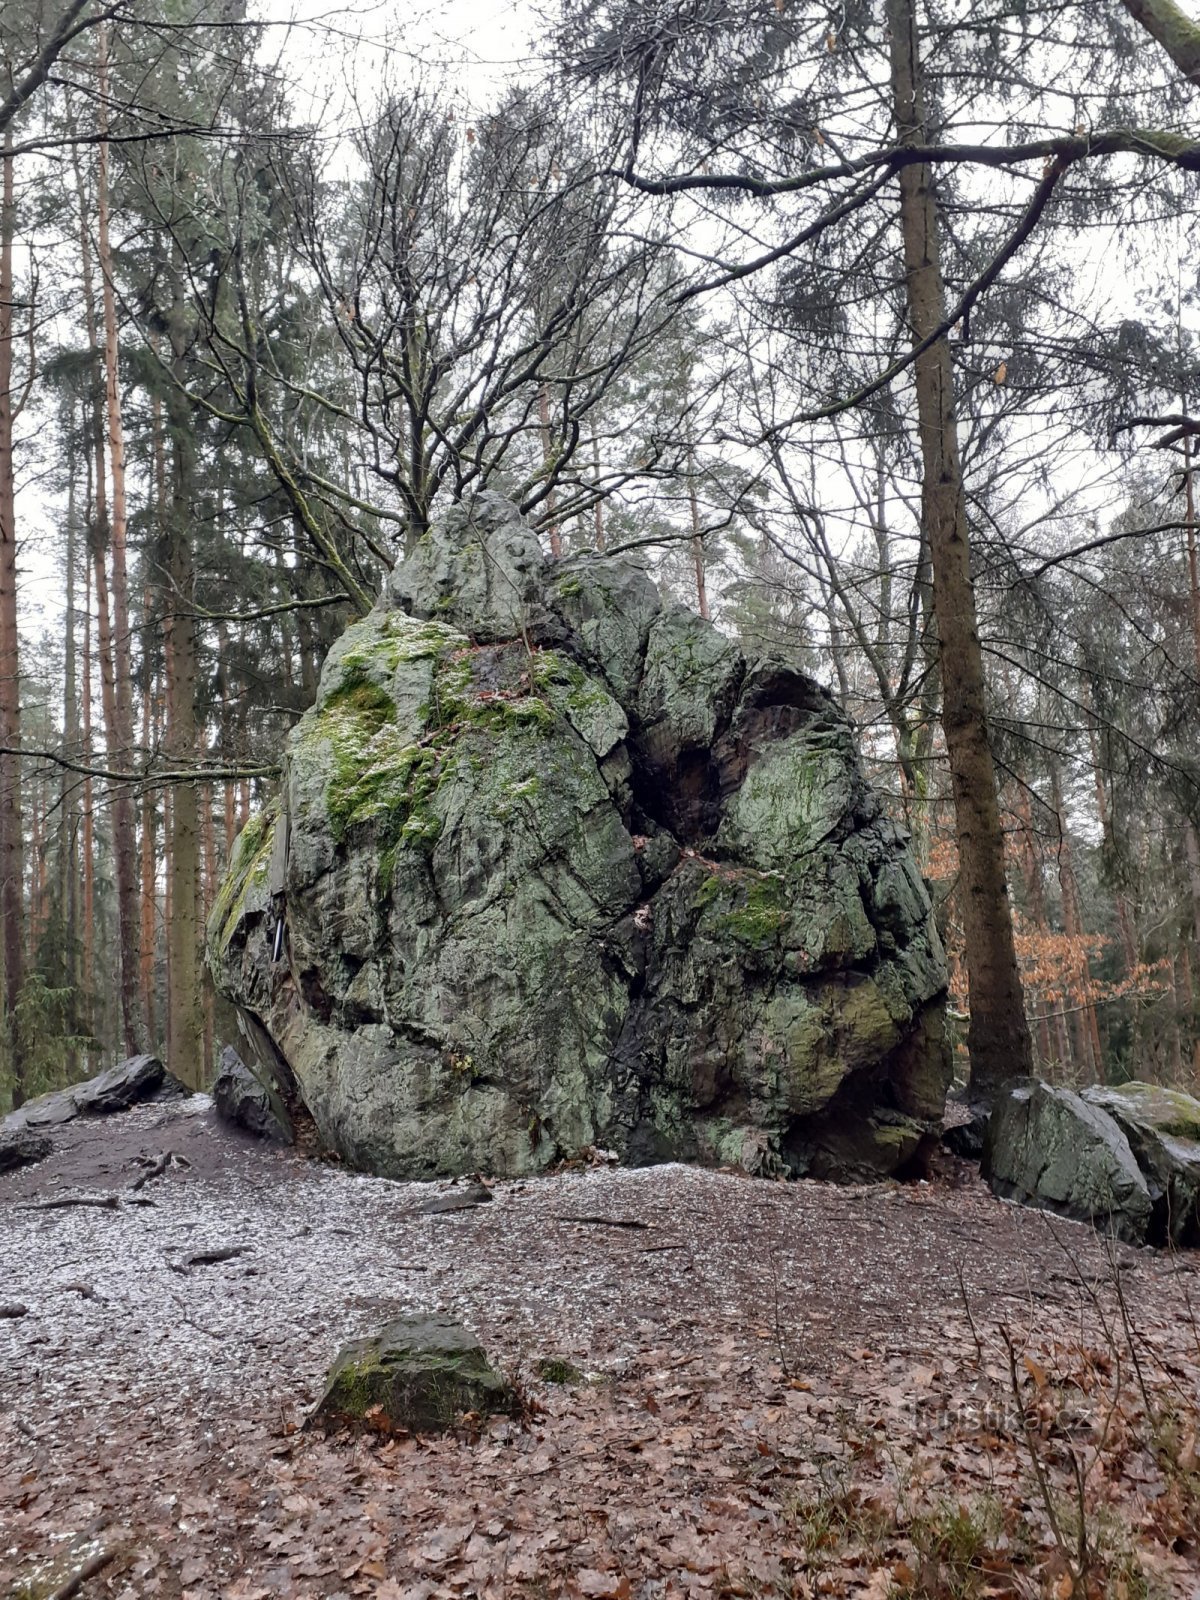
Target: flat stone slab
[{"x": 118, "y": 1087}]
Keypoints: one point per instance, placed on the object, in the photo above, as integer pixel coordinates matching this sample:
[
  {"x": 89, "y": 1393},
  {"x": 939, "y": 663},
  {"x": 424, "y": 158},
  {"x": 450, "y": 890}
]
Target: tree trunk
[
  {"x": 124, "y": 824},
  {"x": 68, "y": 803},
  {"x": 1084, "y": 1026},
  {"x": 1035, "y": 901},
  {"x": 547, "y": 455},
  {"x": 598, "y": 508},
  {"x": 998, "y": 1037},
  {"x": 185, "y": 1006},
  {"x": 207, "y": 892},
  {"x": 149, "y": 878},
  {"x": 88, "y": 842},
  {"x": 12, "y": 856},
  {"x": 697, "y": 541}
]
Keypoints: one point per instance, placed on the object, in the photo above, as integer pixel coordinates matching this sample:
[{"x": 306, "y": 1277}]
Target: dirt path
[{"x": 758, "y": 1354}]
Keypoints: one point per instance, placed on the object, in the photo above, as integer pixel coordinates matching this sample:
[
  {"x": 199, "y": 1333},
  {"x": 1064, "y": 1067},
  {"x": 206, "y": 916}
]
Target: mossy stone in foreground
[{"x": 421, "y": 1373}]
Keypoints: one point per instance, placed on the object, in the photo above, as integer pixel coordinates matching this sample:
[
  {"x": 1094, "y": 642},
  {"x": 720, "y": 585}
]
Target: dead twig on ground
[
  {"x": 95, "y": 1563},
  {"x": 784, "y": 1363},
  {"x": 606, "y": 1222},
  {"x": 100, "y": 1202},
  {"x": 1039, "y": 1468},
  {"x": 962, "y": 1289},
  {"x": 211, "y": 1258},
  {"x": 156, "y": 1169}
]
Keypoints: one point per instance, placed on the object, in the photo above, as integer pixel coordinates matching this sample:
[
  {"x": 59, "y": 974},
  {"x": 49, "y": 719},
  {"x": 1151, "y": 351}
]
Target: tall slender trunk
[
  {"x": 35, "y": 914},
  {"x": 207, "y": 889},
  {"x": 998, "y": 1037},
  {"x": 1085, "y": 1029},
  {"x": 697, "y": 540},
  {"x": 1193, "y": 556},
  {"x": 123, "y": 820},
  {"x": 1035, "y": 900},
  {"x": 598, "y": 508},
  {"x": 68, "y": 804},
  {"x": 12, "y": 855},
  {"x": 547, "y": 455},
  {"x": 88, "y": 843},
  {"x": 68, "y": 810},
  {"x": 148, "y": 874},
  {"x": 121, "y": 811},
  {"x": 185, "y": 990}
]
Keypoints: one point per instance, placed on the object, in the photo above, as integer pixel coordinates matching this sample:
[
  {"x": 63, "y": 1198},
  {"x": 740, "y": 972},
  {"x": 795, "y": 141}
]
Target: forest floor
[{"x": 791, "y": 1389}]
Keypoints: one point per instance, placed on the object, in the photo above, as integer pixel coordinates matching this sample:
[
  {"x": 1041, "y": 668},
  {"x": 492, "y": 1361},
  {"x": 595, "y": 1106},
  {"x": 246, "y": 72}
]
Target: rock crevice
[{"x": 564, "y": 869}]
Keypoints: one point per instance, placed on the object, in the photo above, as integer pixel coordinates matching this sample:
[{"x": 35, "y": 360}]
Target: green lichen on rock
[
  {"x": 419, "y": 1374},
  {"x": 1153, "y": 1105},
  {"x": 247, "y": 872},
  {"x": 751, "y": 908},
  {"x": 544, "y": 824},
  {"x": 1163, "y": 1129},
  {"x": 762, "y": 918}
]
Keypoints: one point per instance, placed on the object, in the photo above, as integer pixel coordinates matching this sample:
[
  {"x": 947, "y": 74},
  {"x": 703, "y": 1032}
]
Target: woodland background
[{"x": 657, "y": 285}]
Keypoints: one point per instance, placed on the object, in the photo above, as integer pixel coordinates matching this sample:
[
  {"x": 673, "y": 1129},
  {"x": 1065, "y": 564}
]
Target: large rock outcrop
[{"x": 558, "y": 867}]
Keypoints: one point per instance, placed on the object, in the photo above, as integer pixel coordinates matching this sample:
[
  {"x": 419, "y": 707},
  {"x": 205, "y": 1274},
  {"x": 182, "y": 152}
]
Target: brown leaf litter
[{"x": 788, "y": 1389}]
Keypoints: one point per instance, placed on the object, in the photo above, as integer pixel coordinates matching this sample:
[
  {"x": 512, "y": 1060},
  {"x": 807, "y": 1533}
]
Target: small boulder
[
  {"x": 19, "y": 1149},
  {"x": 965, "y": 1131},
  {"x": 117, "y": 1088},
  {"x": 420, "y": 1374},
  {"x": 244, "y": 1101},
  {"x": 1048, "y": 1147},
  {"x": 1163, "y": 1129}
]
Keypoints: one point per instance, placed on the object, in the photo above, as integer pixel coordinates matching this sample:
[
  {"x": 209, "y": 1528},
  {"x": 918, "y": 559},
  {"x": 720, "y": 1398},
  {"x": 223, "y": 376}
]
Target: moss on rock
[
  {"x": 248, "y": 870},
  {"x": 543, "y": 825},
  {"x": 419, "y": 1374}
]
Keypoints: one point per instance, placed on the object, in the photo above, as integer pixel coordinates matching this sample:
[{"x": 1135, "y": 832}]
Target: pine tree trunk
[
  {"x": 547, "y": 451},
  {"x": 88, "y": 842},
  {"x": 998, "y": 1037},
  {"x": 99, "y": 538},
  {"x": 124, "y": 824},
  {"x": 12, "y": 860},
  {"x": 697, "y": 541},
  {"x": 1035, "y": 900},
  {"x": 598, "y": 508},
  {"x": 184, "y": 995},
  {"x": 149, "y": 878},
  {"x": 68, "y": 805},
  {"x": 207, "y": 893},
  {"x": 1084, "y": 1027}
]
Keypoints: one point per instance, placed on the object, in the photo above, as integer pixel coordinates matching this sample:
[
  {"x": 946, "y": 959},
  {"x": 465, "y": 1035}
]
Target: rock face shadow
[{"x": 562, "y": 868}]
